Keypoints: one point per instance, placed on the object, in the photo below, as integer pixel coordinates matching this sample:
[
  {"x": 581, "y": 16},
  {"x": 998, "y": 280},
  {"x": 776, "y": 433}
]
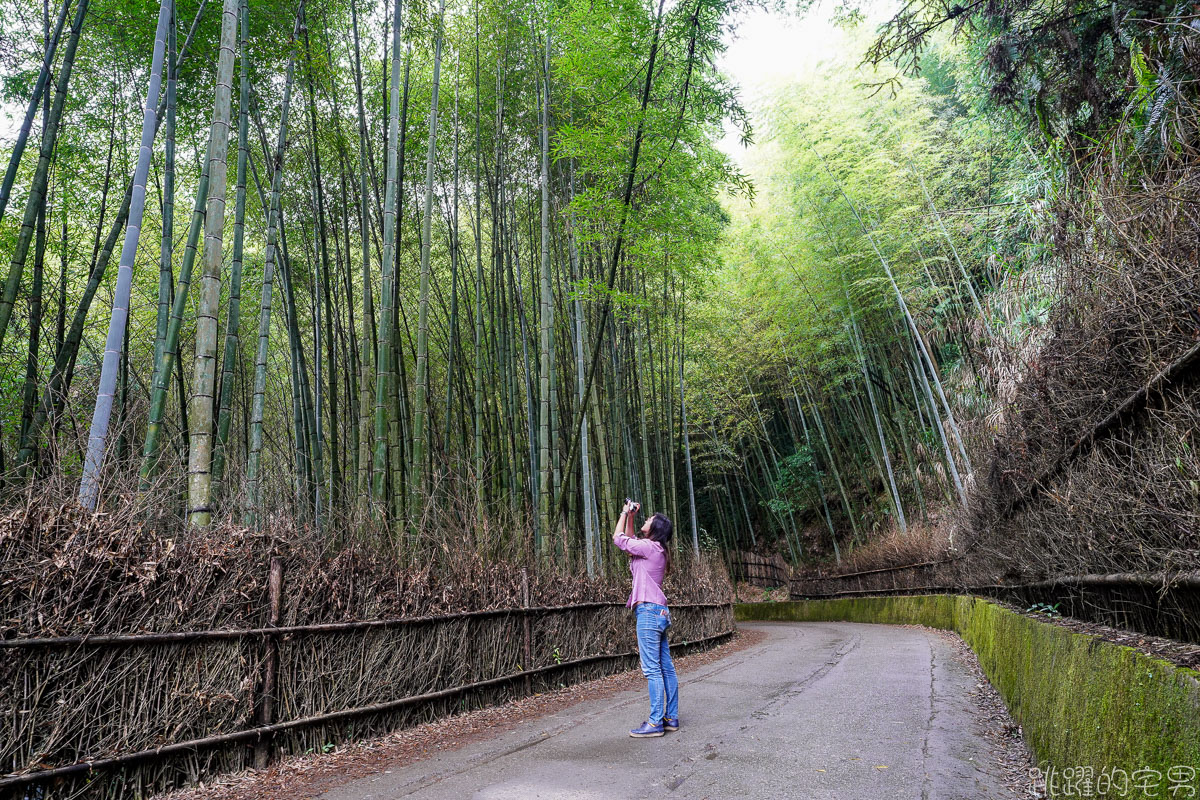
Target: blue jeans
[{"x": 652, "y": 623}]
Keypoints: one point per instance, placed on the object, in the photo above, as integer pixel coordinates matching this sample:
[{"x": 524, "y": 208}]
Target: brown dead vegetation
[
  {"x": 1087, "y": 463},
  {"x": 64, "y": 572}
]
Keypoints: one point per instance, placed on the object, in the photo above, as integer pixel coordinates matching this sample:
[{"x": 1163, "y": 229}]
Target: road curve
[{"x": 815, "y": 711}]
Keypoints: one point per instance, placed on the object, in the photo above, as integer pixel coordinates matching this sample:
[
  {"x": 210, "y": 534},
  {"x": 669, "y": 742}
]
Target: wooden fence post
[
  {"x": 270, "y": 675},
  {"x": 527, "y": 633}
]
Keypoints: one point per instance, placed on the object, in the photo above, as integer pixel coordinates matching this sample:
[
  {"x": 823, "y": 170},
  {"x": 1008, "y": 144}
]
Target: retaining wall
[{"x": 1081, "y": 701}]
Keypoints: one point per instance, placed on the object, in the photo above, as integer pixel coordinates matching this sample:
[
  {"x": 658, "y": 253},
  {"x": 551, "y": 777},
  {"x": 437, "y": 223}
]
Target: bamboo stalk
[
  {"x": 35, "y": 99},
  {"x": 239, "y": 224},
  {"x": 418, "y": 486},
  {"x": 384, "y": 375},
  {"x": 204, "y": 374},
  {"x": 266, "y": 301},
  {"x": 89, "y": 489},
  {"x": 546, "y": 310},
  {"x": 41, "y": 174}
]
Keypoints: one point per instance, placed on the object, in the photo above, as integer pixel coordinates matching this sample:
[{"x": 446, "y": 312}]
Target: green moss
[{"x": 1080, "y": 700}]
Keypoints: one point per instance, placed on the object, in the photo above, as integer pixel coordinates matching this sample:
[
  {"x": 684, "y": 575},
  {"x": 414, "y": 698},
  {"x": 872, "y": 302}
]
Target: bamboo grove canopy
[{"x": 349, "y": 258}]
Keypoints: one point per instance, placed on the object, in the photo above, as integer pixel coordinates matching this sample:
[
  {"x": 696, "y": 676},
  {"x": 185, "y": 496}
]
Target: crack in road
[
  {"x": 794, "y": 689},
  {"x": 926, "y": 783},
  {"x": 774, "y": 701}
]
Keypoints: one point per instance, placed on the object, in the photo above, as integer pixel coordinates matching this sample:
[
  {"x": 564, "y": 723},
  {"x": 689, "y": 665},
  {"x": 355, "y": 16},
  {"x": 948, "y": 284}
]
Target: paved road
[{"x": 817, "y": 710}]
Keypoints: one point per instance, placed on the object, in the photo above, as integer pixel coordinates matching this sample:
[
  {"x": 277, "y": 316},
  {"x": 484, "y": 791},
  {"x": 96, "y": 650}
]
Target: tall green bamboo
[
  {"x": 89, "y": 489},
  {"x": 37, "y": 190},
  {"x": 162, "y": 377},
  {"x": 167, "y": 249},
  {"x": 887, "y": 268},
  {"x": 418, "y": 484},
  {"x": 856, "y": 338},
  {"x": 399, "y": 422},
  {"x": 384, "y": 377},
  {"x": 55, "y": 395},
  {"x": 687, "y": 450},
  {"x": 29, "y": 391},
  {"x": 962, "y": 270},
  {"x": 35, "y": 99},
  {"x": 309, "y": 455},
  {"x": 643, "y": 399},
  {"x": 837, "y": 475},
  {"x": 233, "y": 320},
  {"x": 347, "y": 334},
  {"x": 937, "y": 419},
  {"x": 479, "y": 355},
  {"x": 204, "y": 376},
  {"x": 324, "y": 308},
  {"x": 368, "y": 342},
  {"x": 619, "y": 239},
  {"x": 546, "y": 310},
  {"x": 451, "y": 361},
  {"x": 585, "y": 467},
  {"x": 274, "y": 223}
]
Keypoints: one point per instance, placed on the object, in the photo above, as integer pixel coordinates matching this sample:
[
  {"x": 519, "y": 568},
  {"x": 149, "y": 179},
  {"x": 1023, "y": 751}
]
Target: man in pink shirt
[{"x": 650, "y": 562}]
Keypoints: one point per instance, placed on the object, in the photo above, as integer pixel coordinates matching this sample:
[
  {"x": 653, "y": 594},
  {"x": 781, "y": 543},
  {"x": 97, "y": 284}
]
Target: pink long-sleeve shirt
[{"x": 648, "y": 563}]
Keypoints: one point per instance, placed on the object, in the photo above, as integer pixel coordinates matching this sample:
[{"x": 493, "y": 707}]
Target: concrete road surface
[{"x": 817, "y": 710}]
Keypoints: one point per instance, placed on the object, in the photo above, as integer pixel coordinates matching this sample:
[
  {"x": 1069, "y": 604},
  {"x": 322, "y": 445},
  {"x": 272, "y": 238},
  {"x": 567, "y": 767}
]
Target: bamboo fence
[{"x": 117, "y": 714}]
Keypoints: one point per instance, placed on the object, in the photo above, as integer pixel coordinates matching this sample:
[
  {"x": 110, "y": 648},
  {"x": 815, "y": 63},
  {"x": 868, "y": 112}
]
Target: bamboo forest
[
  {"x": 440, "y": 223},
  {"x": 420, "y": 299}
]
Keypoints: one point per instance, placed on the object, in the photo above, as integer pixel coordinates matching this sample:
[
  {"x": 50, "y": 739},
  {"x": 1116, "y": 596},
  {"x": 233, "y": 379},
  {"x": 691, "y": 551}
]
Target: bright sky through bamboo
[{"x": 770, "y": 47}]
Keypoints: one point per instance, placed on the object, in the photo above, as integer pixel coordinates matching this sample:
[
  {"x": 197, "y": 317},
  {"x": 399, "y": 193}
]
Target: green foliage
[
  {"x": 18, "y": 86},
  {"x": 1063, "y": 69},
  {"x": 1044, "y": 608},
  {"x": 855, "y": 169},
  {"x": 800, "y": 476}
]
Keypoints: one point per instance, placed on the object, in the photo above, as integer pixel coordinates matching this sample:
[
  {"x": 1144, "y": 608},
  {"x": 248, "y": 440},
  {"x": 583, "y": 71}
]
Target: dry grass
[
  {"x": 924, "y": 541},
  {"x": 1129, "y": 300},
  {"x": 750, "y": 593},
  {"x": 1126, "y": 245},
  {"x": 66, "y": 572}
]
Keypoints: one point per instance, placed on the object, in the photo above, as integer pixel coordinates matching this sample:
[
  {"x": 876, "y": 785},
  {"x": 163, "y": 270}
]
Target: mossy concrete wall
[{"x": 1080, "y": 700}]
